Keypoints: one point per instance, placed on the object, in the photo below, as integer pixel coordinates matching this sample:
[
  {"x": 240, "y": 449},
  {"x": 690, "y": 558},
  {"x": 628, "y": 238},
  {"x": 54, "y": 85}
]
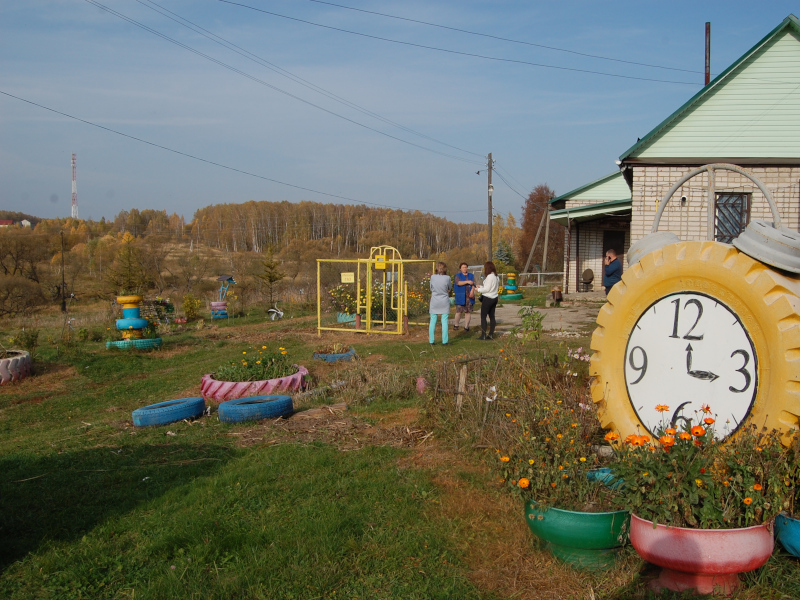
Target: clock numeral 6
[
  {"x": 688, "y": 336},
  {"x": 642, "y": 368},
  {"x": 743, "y": 371}
]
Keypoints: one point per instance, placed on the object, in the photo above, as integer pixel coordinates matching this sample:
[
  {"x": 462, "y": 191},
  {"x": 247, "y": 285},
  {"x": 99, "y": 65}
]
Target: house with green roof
[{"x": 748, "y": 116}]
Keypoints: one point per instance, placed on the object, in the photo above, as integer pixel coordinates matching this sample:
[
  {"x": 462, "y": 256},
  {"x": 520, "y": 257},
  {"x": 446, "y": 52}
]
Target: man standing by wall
[{"x": 612, "y": 270}]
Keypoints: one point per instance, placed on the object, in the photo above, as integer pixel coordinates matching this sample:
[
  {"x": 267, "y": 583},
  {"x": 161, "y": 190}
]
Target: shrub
[{"x": 191, "y": 306}]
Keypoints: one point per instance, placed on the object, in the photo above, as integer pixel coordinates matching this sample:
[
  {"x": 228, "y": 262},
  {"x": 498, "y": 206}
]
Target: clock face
[{"x": 685, "y": 351}]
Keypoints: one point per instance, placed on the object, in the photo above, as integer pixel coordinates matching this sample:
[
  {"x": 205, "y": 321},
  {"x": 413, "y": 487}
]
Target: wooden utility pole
[
  {"x": 491, "y": 190},
  {"x": 533, "y": 245},
  {"x": 63, "y": 282}
]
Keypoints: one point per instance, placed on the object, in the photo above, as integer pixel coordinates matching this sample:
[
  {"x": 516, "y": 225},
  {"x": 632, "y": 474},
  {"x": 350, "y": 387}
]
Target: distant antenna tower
[{"x": 74, "y": 190}]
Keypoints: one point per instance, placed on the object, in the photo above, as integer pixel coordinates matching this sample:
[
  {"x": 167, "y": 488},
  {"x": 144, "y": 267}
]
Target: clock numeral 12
[
  {"x": 688, "y": 336},
  {"x": 642, "y": 368}
]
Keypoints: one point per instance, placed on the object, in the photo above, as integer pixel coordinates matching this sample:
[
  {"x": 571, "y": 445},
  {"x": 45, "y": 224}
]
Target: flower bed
[{"x": 220, "y": 391}]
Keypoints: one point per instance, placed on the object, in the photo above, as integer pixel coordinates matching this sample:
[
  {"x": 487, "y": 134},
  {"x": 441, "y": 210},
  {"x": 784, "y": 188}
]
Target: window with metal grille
[{"x": 731, "y": 214}]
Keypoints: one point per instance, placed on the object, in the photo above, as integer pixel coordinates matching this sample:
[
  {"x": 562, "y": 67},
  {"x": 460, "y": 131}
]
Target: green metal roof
[
  {"x": 591, "y": 212},
  {"x": 598, "y": 189},
  {"x": 789, "y": 24}
]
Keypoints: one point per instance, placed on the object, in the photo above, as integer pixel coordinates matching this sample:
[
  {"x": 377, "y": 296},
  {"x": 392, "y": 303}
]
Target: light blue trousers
[{"x": 432, "y": 329}]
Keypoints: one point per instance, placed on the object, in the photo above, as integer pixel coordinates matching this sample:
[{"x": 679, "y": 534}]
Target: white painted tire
[{"x": 15, "y": 367}]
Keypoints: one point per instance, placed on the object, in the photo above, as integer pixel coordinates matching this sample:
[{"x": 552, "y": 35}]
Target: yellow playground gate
[{"x": 379, "y": 294}]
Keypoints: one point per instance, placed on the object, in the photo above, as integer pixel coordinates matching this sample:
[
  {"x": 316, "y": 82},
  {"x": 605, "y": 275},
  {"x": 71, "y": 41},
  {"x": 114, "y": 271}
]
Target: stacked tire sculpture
[
  {"x": 222, "y": 391},
  {"x": 219, "y": 310},
  {"x": 16, "y": 366},
  {"x": 255, "y": 408},
  {"x": 131, "y": 325},
  {"x": 168, "y": 412}
]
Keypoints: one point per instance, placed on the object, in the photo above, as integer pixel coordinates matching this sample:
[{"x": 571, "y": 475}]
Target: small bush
[
  {"x": 27, "y": 339},
  {"x": 191, "y": 306}
]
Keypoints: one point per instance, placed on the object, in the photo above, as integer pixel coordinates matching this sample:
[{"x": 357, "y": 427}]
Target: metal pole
[
  {"x": 708, "y": 52},
  {"x": 490, "y": 190},
  {"x": 63, "y": 282},
  {"x": 711, "y": 204}
]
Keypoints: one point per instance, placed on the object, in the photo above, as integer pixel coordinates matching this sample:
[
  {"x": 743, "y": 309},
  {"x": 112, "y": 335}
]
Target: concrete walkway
[{"x": 577, "y": 313}]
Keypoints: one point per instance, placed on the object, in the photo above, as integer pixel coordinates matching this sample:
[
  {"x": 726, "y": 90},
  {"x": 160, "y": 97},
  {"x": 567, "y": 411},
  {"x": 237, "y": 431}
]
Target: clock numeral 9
[
  {"x": 642, "y": 368},
  {"x": 688, "y": 336},
  {"x": 743, "y": 371}
]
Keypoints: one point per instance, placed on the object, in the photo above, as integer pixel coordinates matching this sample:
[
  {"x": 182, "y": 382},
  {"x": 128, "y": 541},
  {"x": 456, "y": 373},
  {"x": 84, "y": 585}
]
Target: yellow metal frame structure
[{"x": 387, "y": 262}]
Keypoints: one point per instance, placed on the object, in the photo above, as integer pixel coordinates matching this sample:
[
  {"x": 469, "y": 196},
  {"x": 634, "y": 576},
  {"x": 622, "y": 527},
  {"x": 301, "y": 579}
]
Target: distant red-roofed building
[{"x": 6, "y": 222}]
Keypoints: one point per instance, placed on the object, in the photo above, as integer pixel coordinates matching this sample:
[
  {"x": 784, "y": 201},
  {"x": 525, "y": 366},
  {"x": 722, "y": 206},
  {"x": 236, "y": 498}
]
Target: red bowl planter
[
  {"x": 706, "y": 560},
  {"x": 220, "y": 391}
]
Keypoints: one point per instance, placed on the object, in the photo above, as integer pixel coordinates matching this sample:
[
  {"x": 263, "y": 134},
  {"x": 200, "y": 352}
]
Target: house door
[{"x": 615, "y": 240}]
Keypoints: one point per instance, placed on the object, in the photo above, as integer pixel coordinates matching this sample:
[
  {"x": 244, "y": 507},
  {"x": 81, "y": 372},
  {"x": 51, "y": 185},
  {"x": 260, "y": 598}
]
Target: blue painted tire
[
  {"x": 349, "y": 355},
  {"x": 345, "y": 318},
  {"x": 168, "y": 412},
  {"x": 123, "y": 324},
  {"x": 140, "y": 344},
  {"x": 131, "y": 313},
  {"x": 255, "y": 408}
]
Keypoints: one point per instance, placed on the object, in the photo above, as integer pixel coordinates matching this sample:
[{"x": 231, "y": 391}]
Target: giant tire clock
[{"x": 699, "y": 323}]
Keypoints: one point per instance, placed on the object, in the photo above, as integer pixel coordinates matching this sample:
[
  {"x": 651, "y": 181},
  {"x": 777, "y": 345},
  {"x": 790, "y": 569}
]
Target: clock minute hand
[{"x": 704, "y": 375}]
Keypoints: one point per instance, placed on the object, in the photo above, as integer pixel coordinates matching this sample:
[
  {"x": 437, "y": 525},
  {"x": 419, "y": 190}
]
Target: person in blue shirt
[
  {"x": 612, "y": 270},
  {"x": 464, "y": 282}
]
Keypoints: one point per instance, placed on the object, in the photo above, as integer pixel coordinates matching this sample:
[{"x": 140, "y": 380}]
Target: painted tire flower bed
[
  {"x": 220, "y": 391},
  {"x": 15, "y": 365},
  {"x": 335, "y": 353},
  {"x": 787, "y": 532},
  {"x": 255, "y": 408}
]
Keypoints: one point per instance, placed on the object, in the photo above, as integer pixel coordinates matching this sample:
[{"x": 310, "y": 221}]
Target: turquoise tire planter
[
  {"x": 255, "y": 408},
  {"x": 345, "y": 318},
  {"x": 588, "y": 541},
  {"x": 167, "y": 412},
  {"x": 140, "y": 344},
  {"x": 511, "y": 297},
  {"x": 787, "y": 532},
  {"x": 349, "y": 355}
]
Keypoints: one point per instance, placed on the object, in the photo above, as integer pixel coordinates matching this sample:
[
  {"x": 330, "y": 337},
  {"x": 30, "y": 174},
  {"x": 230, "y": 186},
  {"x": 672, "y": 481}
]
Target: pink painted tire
[
  {"x": 220, "y": 391},
  {"x": 219, "y": 305},
  {"x": 706, "y": 560},
  {"x": 16, "y": 366}
]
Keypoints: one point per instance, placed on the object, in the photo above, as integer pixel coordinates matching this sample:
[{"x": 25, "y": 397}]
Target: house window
[{"x": 731, "y": 214}]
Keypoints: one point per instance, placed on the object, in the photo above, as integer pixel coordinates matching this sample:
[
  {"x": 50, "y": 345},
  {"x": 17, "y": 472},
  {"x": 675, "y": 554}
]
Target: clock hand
[{"x": 704, "y": 375}]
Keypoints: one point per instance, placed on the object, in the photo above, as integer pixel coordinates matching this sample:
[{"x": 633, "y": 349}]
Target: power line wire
[
  {"x": 264, "y": 83},
  {"x": 504, "y": 39},
  {"x": 457, "y": 52},
  {"x": 283, "y": 72},
  {"x": 216, "y": 164}
]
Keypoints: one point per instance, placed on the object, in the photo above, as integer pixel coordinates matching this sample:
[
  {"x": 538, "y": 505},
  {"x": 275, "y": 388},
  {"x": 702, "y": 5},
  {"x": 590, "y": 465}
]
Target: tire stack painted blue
[
  {"x": 131, "y": 319},
  {"x": 349, "y": 355},
  {"x": 255, "y": 408},
  {"x": 168, "y": 412}
]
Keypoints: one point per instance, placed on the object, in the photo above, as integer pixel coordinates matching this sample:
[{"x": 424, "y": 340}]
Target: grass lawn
[{"x": 368, "y": 503}]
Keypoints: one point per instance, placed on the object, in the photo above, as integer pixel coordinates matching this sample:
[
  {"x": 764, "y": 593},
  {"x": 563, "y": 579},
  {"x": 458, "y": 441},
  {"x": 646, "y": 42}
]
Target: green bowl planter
[
  {"x": 589, "y": 541},
  {"x": 349, "y": 355}
]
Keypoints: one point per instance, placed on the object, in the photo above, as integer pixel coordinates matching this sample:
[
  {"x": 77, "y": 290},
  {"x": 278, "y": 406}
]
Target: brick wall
[{"x": 688, "y": 219}]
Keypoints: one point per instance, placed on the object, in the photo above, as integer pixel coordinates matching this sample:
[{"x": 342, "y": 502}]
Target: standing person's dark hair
[
  {"x": 464, "y": 295},
  {"x": 489, "y": 292}
]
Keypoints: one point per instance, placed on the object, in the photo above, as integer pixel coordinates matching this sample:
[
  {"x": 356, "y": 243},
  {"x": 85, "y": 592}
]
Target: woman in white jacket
[{"x": 489, "y": 292}]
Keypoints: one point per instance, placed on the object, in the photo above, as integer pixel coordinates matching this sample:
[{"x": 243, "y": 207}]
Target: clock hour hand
[{"x": 704, "y": 375}]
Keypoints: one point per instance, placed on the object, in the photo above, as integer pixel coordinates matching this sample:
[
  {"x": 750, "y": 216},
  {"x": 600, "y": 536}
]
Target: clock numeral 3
[
  {"x": 743, "y": 371},
  {"x": 688, "y": 336},
  {"x": 643, "y": 367}
]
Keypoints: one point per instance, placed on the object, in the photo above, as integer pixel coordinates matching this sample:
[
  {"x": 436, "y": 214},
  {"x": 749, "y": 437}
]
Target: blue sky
[{"x": 543, "y": 125}]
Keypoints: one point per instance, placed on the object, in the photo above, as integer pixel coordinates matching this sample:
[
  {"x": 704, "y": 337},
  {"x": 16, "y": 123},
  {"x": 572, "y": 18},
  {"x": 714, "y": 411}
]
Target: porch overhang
[{"x": 592, "y": 212}]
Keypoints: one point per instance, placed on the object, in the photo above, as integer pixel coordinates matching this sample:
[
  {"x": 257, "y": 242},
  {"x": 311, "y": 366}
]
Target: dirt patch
[{"x": 48, "y": 379}]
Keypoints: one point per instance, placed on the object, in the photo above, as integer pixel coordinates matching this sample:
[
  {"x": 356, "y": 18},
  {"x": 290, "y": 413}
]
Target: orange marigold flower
[
  {"x": 662, "y": 407},
  {"x": 708, "y": 421},
  {"x": 697, "y": 431},
  {"x": 553, "y": 484},
  {"x": 748, "y": 500},
  {"x": 669, "y": 431},
  {"x": 725, "y": 483},
  {"x": 523, "y": 483},
  {"x": 698, "y": 443},
  {"x": 611, "y": 436},
  {"x": 504, "y": 459},
  {"x": 631, "y": 438},
  {"x": 685, "y": 435},
  {"x": 705, "y": 408},
  {"x": 667, "y": 441},
  {"x": 757, "y": 487}
]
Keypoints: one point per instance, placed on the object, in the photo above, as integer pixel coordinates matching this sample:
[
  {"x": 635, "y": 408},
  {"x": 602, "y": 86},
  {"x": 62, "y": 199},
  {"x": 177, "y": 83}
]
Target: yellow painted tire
[
  {"x": 129, "y": 301},
  {"x": 766, "y": 301}
]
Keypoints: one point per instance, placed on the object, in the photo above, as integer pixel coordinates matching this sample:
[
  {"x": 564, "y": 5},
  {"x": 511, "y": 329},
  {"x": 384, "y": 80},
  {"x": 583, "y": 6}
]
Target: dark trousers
[{"x": 488, "y": 305}]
